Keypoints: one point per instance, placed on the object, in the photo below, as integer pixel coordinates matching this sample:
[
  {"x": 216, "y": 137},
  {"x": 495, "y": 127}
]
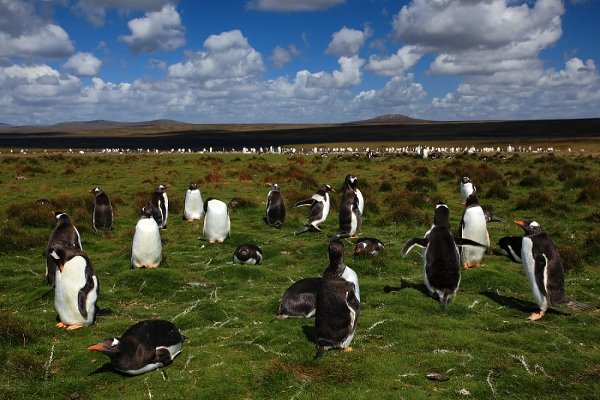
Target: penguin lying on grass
[
  {"x": 544, "y": 269},
  {"x": 368, "y": 245},
  {"x": 441, "y": 258},
  {"x": 248, "y": 254},
  {"x": 144, "y": 347}
]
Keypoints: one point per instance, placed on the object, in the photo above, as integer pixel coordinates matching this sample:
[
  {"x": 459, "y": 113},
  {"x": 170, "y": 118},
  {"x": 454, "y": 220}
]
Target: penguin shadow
[
  {"x": 404, "y": 284},
  {"x": 108, "y": 368},
  {"x": 517, "y": 304},
  {"x": 310, "y": 332}
]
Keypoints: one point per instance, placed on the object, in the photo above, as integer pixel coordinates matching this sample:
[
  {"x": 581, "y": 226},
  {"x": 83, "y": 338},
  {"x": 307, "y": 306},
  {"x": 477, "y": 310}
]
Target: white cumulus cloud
[
  {"x": 157, "y": 30},
  {"x": 347, "y": 42},
  {"x": 83, "y": 64},
  {"x": 405, "y": 58},
  {"x": 94, "y": 11},
  {"x": 280, "y": 56}
]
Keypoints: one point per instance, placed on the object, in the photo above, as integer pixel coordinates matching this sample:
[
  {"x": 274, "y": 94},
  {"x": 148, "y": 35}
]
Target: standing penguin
[
  {"x": 319, "y": 208},
  {"x": 64, "y": 232},
  {"x": 146, "y": 250},
  {"x": 441, "y": 259},
  {"x": 103, "y": 212},
  {"x": 248, "y": 254},
  {"x": 544, "y": 269},
  {"x": 350, "y": 218},
  {"x": 160, "y": 205},
  {"x": 275, "y": 210},
  {"x": 336, "y": 316},
  {"x": 473, "y": 226},
  {"x": 76, "y": 287},
  {"x": 144, "y": 347},
  {"x": 217, "y": 225},
  {"x": 193, "y": 207},
  {"x": 466, "y": 188}
]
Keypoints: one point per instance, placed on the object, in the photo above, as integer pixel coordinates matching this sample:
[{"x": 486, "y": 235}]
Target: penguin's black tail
[{"x": 577, "y": 306}]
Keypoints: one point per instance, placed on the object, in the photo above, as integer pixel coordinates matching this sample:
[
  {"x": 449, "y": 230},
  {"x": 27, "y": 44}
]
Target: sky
[{"x": 297, "y": 61}]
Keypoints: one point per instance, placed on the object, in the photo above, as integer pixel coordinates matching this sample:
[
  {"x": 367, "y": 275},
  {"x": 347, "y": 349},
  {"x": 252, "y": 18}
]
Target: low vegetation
[{"x": 481, "y": 347}]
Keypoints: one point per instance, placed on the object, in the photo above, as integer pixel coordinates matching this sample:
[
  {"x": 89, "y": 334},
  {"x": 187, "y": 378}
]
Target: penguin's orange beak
[
  {"x": 333, "y": 190},
  {"x": 168, "y": 185},
  {"x": 520, "y": 222},
  {"x": 95, "y": 347},
  {"x": 61, "y": 266},
  {"x": 90, "y": 190}
]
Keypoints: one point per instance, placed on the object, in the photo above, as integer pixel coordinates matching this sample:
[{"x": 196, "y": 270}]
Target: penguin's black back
[
  {"x": 103, "y": 211},
  {"x": 442, "y": 259},
  {"x": 554, "y": 274},
  {"x": 300, "y": 299},
  {"x": 275, "y": 209},
  {"x": 333, "y": 320}
]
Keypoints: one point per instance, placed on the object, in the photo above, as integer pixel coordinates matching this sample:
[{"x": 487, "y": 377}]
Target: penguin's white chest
[
  {"x": 351, "y": 276},
  {"x": 326, "y": 205},
  {"x": 193, "y": 206},
  {"x": 216, "y": 221},
  {"x": 146, "y": 250},
  {"x": 465, "y": 190},
  {"x": 66, "y": 298},
  {"x": 529, "y": 267},
  {"x": 165, "y": 200},
  {"x": 474, "y": 228},
  {"x": 361, "y": 201}
]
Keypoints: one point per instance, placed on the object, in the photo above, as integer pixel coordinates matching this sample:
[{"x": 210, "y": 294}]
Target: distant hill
[{"x": 389, "y": 119}]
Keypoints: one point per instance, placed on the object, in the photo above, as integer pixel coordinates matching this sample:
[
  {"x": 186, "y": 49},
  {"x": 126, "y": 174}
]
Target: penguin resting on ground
[
  {"x": 217, "y": 224},
  {"x": 473, "y": 226},
  {"x": 319, "y": 208},
  {"x": 248, "y": 254},
  {"x": 368, "y": 245},
  {"x": 441, "y": 258},
  {"x": 102, "y": 217},
  {"x": 300, "y": 299},
  {"x": 64, "y": 232},
  {"x": 193, "y": 207},
  {"x": 350, "y": 217},
  {"x": 160, "y": 205},
  {"x": 146, "y": 249},
  {"x": 144, "y": 347},
  {"x": 275, "y": 209},
  {"x": 544, "y": 269},
  {"x": 76, "y": 287}
]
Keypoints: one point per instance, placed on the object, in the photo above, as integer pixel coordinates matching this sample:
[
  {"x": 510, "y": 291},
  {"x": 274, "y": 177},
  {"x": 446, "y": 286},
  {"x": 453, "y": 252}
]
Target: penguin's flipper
[
  {"x": 306, "y": 202},
  {"x": 467, "y": 242},
  {"x": 163, "y": 356},
  {"x": 410, "y": 243}
]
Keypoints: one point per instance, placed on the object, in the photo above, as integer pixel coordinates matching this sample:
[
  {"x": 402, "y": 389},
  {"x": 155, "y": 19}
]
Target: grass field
[{"x": 482, "y": 342}]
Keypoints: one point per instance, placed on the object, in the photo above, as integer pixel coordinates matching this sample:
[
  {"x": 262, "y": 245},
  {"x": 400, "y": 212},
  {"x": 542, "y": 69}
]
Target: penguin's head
[
  {"x": 327, "y": 188},
  {"x": 529, "y": 226},
  {"x": 110, "y": 347},
  {"x": 336, "y": 252},
  {"x": 360, "y": 248},
  {"x": 146, "y": 211},
  {"x": 61, "y": 217},
  {"x": 162, "y": 188},
  {"x": 351, "y": 180},
  {"x": 96, "y": 191},
  {"x": 58, "y": 255},
  {"x": 193, "y": 185},
  {"x": 465, "y": 180},
  {"x": 442, "y": 214}
]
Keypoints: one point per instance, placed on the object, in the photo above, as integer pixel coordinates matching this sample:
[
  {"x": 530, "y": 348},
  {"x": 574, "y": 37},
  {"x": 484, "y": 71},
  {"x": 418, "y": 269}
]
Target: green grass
[{"x": 234, "y": 350}]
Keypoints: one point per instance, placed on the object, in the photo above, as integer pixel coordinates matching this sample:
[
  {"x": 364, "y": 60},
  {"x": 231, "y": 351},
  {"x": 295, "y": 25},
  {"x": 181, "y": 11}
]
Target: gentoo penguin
[
  {"x": 466, "y": 188},
  {"x": 441, "y": 259},
  {"x": 510, "y": 246},
  {"x": 146, "y": 250},
  {"x": 144, "y": 347},
  {"x": 76, "y": 287},
  {"x": 300, "y": 299},
  {"x": 368, "y": 245},
  {"x": 103, "y": 212},
  {"x": 336, "y": 316},
  {"x": 350, "y": 218},
  {"x": 216, "y": 221},
  {"x": 544, "y": 269},
  {"x": 193, "y": 207},
  {"x": 248, "y": 254},
  {"x": 64, "y": 232},
  {"x": 319, "y": 208},
  {"x": 275, "y": 210},
  {"x": 160, "y": 205},
  {"x": 473, "y": 226}
]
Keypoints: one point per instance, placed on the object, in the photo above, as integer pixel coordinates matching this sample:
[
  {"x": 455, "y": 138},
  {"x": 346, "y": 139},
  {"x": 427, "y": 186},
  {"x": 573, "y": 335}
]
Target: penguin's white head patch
[
  {"x": 115, "y": 342},
  {"x": 534, "y": 224},
  {"x": 441, "y": 205}
]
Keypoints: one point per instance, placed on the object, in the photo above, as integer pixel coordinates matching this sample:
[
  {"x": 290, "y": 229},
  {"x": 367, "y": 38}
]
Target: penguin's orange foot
[
  {"x": 535, "y": 316},
  {"x": 347, "y": 350},
  {"x": 73, "y": 327},
  {"x": 60, "y": 325},
  {"x": 468, "y": 265}
]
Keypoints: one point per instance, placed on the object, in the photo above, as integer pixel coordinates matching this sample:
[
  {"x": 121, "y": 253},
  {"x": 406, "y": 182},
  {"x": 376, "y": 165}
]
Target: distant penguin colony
[
  {"x": 275, "y": 209},
  {"x": 193, "y": 207},
  {"x": 76, "y": 287},
  {"x": 473, "y": 226},
  {"x": 102, "y": 216},
  {"x": 248, "y": 254},
  {"x": 319, "y": 204},
  {"x": 441, "y": 258},
  {"x": 544, "y": 269},
  {"x": 160, "y": 205},
  {"x": 350, "y": 216},
  {"x": 64, "y": 232},
  {"x": 143, "y": 347},
  {"x": 146, "y": 249},
  {"x": 217, "y": 225}
]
